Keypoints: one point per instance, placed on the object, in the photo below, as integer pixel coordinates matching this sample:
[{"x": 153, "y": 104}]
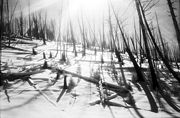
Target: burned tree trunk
[
  {"x": 1, "y": 24},
  {"x": 161, "y": 38},
  {"x": 117, "y": 53},
  {"x": 141, "y": 78},
  {"x": 8, "y": 24},
  {"x": 35, "y": 29},
  {"x": 117, "y": 89},
  {"x": 21, "y": 23},
  {"x": 158, "y": 87},
  {"x": 83, "y": 35},
  {"x": 157, "y": 48},
  {"x": 153, "y": 74},
  {"x": 174, "y": 21},
  {"x": 73, "y": 40}
]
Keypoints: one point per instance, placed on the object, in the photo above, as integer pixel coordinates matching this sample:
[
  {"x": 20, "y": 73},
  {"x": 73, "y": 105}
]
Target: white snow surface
[{"x": 27, "y": 102}]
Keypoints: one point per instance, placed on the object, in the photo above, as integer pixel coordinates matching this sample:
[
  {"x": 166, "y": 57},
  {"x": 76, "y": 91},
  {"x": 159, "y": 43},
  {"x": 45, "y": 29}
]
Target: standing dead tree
[
  {"x": 35, "y": 30},
  {"x": 155, "y": 79},
  {"x": 117, "y": 53},
  {"x": 50, "y": 31},
  {"x": 156, "y": 46},
  {"x": 1, "y": 30},
  {"x": 30, "y": 28},
  {"x": 21, "y": 24},
  {"x": 73, "y": 40},
  {"x": 84, "y": 36},
  {"x": 140, "y": 76},
  {"x": 43, "y": 28},
  {"x": 170, "y": 4},
  {"x": 1, "y": 23},
  {"x": 161, "y": 39},
  {"x": 8, "y": 22},
  {"x": 145, "y": 38}
]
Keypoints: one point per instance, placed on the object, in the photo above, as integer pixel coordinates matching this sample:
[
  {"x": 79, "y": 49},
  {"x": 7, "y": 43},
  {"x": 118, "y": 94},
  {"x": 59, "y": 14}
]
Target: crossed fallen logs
[
  {"x": 5, "y": 77},
  {"x": 119, "y": 91},
  {"x": 15, "y": 76}
]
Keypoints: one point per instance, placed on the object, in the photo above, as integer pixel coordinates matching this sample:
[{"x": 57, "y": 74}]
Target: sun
[
  {"x": 44, "y": 3},
  {"x": 87, "y": 7}
]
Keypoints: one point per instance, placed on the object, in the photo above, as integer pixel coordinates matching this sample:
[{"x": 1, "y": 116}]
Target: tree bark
[
  {"x": 123, "y": 92},
  {"x": 158, "y": 50},
  {"x": 141, "y": 78},
  {"x": 1, "y": 25},
  {"x": 174, "y": 22},
  {"x": 153, "y": 74}
]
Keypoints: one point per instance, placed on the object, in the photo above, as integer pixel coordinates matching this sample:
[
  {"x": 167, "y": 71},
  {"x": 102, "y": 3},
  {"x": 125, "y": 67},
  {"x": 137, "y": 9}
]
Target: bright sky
[{"x": 94, "y": 11}]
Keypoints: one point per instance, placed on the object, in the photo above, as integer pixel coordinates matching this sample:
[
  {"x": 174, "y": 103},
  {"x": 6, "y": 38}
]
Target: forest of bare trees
[{"x": 154, "y": 66}]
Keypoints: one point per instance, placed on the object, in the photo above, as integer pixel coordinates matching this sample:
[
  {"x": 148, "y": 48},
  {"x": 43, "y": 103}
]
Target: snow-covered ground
[{"x": 28, "y": 102}]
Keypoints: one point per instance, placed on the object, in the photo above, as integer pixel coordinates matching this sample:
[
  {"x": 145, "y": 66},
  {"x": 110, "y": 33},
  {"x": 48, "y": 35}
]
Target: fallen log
[
  {"x": 99, "y": 61},
  {"x": 121, "y": 91},
  {"x": 106, "y": 99},
  {"x": 130, "y": 69},
  {"x": 15, "y": 76},
  {"x": 31, "y": 83},
  {"x": 16, "y": 52},
  {"x": 109, "y": 103},
  {"x": 14, "y": 48}
]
